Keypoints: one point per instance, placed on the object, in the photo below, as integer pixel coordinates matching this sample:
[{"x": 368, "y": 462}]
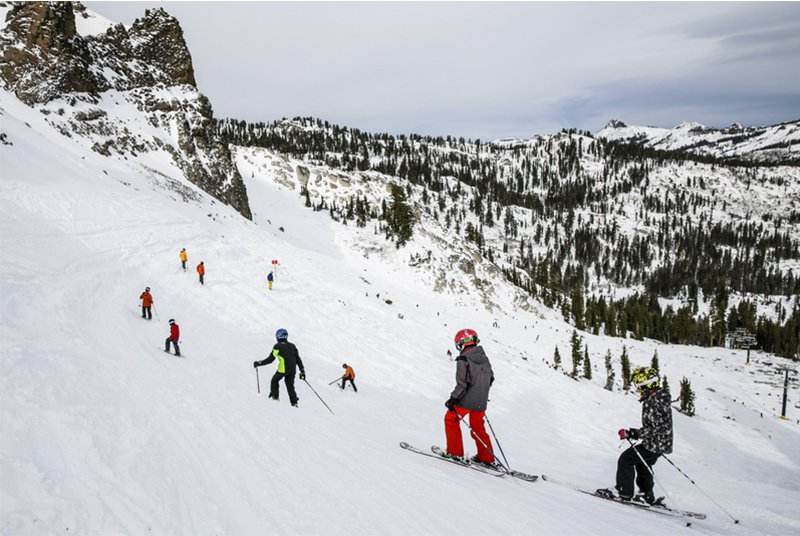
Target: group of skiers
[
  {"x": 201, "y": 268},
  {"x": 469, "y": 398},
  {"x": 147, "y": 302}
]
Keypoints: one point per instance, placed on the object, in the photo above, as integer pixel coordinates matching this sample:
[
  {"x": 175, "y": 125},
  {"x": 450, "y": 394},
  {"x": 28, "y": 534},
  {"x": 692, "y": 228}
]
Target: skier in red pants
[{"x": 474, "y": 377}]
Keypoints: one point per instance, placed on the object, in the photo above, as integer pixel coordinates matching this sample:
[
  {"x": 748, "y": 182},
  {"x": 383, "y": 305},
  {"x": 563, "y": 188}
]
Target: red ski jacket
[{"x": 174, "y": 332}]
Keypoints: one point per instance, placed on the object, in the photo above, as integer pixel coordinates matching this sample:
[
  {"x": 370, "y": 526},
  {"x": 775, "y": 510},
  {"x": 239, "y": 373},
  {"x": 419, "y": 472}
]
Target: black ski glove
[
  {"x": 255, "y": 364},
  {"x": 302, "y": 375},
  {"x": 451, "y": 403},
  {"x": 633, "y": 433}
]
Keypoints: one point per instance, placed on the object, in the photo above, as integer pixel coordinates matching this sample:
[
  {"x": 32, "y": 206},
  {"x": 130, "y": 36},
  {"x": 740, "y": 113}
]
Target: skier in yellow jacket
[{"x": 184, "y": 258}]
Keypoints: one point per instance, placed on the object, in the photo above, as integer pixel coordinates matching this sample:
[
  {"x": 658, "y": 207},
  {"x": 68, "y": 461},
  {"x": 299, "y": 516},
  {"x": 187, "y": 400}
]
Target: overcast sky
[{"x": 488, "y": 70}]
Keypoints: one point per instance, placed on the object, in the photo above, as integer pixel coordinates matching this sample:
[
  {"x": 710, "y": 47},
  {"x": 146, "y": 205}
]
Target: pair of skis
[
  {"x": 500, "y": 471},
  {"x": 494, "y": 470}
]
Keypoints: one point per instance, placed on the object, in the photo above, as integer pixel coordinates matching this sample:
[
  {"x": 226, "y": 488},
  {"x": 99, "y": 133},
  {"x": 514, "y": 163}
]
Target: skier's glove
[
  {"x": 255, "y": 364},
  {"x": 451, "y": 403},
  {"x": 633, "y": 433},
  {"x": 623, "y": 434},
  {"x": 303, "y": 376}
]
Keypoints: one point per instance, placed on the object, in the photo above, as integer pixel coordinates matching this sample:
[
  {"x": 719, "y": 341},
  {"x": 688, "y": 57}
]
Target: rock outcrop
[{"x": 46, "y": 63}]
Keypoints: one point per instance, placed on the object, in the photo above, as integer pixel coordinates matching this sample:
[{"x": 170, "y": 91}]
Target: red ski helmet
[{"x": 466, "y": 337}]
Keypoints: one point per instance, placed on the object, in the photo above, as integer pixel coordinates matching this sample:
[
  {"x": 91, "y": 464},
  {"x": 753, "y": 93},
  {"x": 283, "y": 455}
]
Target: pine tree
[
  {"x": 687, "y": 397},
  {"x": 665, "y": 387},
  {"x": 587, "y": 365},
  {"x": 578, "y": 308},
  {"x": 654, "y": 361},
  {"x": 556, "y": 359},
  {"x": 575, "y": 344},
  {"x": 609, "y": 372},
  {"x": 399, "y": 216},
  {"x": 626, "y": 369}
]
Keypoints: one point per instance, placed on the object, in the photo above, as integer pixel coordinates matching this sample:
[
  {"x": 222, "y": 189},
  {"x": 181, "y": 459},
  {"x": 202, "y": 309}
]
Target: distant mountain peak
[
  {"x": 615, "y": 123},
  {"x": 689, "y": 125}
]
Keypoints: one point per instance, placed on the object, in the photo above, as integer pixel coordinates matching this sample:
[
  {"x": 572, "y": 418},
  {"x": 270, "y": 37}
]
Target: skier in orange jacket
[
  {"x": 348, "y": 376},
  {"x": 147, "y": 303},
  {"x": 201, "y": 271}
]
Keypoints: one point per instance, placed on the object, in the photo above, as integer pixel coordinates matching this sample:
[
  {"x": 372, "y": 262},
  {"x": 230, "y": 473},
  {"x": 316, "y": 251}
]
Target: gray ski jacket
[{"x": 474, "y": 376}]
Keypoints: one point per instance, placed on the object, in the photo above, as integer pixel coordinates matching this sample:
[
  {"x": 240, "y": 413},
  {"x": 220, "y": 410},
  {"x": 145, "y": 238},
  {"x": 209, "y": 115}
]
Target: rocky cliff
[{"x": 86, "y": 84}]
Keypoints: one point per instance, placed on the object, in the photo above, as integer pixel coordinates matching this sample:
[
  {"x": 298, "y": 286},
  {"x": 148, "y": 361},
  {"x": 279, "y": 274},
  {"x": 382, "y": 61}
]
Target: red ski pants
[{"x": 452, "y": 429}]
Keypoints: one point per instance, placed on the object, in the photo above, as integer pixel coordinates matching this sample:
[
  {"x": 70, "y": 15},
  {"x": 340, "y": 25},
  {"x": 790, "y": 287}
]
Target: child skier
[
  {"x": 655, "y": 435},
  {"x": 270, "y": 279},
  {"x": 348, "y": 376},
  {"x": 174, "y": 336},
  {"x": 183, "y": 256},
  {"x": 147, "y": 303},
  {"x": 288, "y": 361},
  {"x": 201, "y": 271},
  {"x": 474, "y": 377}
]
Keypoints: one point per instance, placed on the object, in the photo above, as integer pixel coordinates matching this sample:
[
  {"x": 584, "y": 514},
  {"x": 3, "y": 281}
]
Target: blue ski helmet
[{"x": 281, "y": 334}]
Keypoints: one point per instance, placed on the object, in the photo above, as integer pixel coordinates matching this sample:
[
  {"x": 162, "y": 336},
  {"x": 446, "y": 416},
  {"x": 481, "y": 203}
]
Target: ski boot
[
  {"x": 650, "y": 499},
  {"x": 494, "y": 465}
]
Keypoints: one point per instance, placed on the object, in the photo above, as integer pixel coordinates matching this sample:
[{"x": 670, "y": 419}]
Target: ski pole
[
  {"x": 258, "y": 382},
  {"x": 498, "y": 442},
  {"x": 650, "y": 469},
  {"x": 334, "y": 381},
  {"x": 735, "y": 521},
  {"x": 155, "y": 311},
  {"x": 320, "y": 398},
  {"x": 476, "y": 436}
]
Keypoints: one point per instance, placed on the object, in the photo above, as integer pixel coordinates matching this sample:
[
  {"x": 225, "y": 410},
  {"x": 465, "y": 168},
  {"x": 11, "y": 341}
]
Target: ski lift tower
[{"x": 742, "y": 338}]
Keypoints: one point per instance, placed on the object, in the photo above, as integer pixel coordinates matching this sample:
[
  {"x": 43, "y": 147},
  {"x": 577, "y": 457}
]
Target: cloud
[{"x": 492, "y": 70}]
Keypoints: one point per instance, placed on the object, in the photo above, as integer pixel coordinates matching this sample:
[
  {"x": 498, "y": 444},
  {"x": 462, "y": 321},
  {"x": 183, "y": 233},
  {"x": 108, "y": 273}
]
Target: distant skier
[
  {"x": 348, "y": 376},
  {"x": 270, "y": 279},
  {"x": 655, "y": 435},
  {"x": 201, "y": 271},
  {"x": 174, "y": 337},
  {"x": 474, "y": 377},
  {"x": 184, "y": 257},
  {"x": 288, "y": 362},
  {"x": 147, "y": 303}
]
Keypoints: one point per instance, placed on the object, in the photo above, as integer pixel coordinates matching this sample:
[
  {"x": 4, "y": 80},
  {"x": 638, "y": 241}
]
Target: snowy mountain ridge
[{"x": 774, "y": 143}]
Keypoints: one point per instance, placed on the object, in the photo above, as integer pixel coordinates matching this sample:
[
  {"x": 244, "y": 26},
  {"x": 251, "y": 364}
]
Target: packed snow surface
[{"x": 104, "y": 433}]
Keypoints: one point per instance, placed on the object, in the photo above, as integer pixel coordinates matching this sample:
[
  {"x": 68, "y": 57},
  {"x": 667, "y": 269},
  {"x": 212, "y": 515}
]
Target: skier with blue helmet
[{"x": 288, "y": 362}]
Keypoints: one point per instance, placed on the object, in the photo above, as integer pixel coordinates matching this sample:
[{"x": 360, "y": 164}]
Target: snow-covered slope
[
  {"x": 779, "y": 142},
  {"x": 102, "y": 432}
]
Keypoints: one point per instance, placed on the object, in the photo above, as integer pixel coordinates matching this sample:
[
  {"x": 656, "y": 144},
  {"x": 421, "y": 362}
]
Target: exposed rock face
[
  {"x": 41, "y": 55},
  {"x": 44, "y": 61}
]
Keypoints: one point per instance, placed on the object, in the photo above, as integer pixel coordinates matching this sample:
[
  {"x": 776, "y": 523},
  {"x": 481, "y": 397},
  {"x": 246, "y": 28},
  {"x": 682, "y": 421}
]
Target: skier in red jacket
[{"x": 174, "y": 336}]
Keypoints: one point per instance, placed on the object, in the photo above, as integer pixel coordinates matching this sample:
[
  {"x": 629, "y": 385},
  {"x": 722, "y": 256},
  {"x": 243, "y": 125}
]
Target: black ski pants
[
  {"x": 201, "y": 279},
  {"x": 344, "y": 383},
  {"x": 289, "y": 381},
  {"x": 630, "y": 465},
  {"x": 183, "y": 264},
  {"x": 174, "y": 343},
  {"x": 146, "y": 313}
]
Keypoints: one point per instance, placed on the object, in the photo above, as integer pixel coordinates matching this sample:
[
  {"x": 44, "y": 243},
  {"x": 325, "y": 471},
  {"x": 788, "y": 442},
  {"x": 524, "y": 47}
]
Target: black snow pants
[
  {"x": 344, "y": 384},
  {"x": 630, "y": 465},
  {"x": 289, "y": 381},
  {"x": 175, "y": 343},
  {"x": 146, "y": 312}
]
